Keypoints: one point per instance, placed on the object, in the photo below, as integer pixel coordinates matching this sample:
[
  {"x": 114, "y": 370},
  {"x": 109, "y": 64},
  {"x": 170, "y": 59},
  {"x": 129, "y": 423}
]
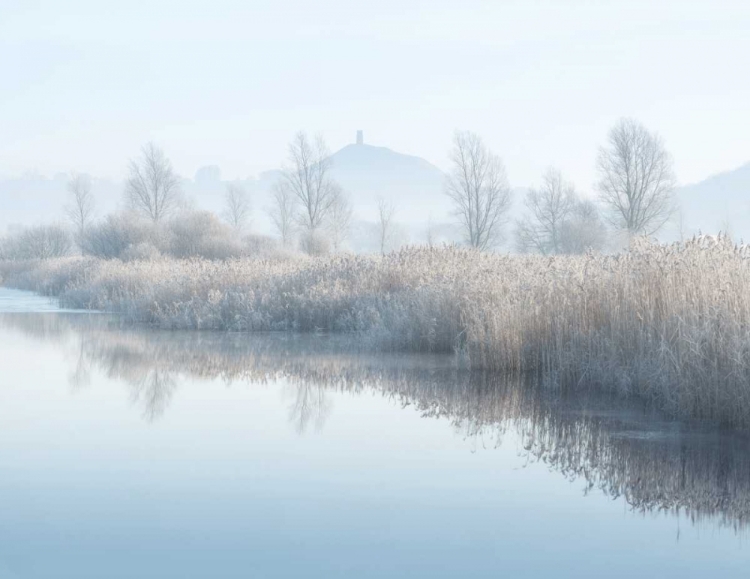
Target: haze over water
[{"x": 139, "y": 453}]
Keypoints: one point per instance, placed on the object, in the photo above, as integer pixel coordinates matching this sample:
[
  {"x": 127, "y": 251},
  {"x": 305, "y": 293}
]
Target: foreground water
[{"x": 137, "y": 453}]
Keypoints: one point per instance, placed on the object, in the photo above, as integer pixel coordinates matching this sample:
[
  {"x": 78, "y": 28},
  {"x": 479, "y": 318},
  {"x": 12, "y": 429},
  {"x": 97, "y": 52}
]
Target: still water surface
[{"x": 133, "y": 453}]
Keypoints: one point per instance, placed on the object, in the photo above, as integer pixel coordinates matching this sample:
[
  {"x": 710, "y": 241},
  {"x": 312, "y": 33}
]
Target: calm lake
[{"x": 138, "y": 453}]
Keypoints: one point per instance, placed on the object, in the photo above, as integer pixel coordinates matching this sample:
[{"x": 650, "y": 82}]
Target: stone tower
[{"x": 360, "y": 137}]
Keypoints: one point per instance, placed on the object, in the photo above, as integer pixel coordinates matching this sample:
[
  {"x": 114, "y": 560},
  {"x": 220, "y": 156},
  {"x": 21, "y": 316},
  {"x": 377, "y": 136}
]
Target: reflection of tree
[
  {"x": 80, "y": 377},
  {"x": 310, "y": 405},
  {"x": 614, "y": 447},
  {"x": 153, "y": 390},
  {"x": 149, "y": 372}
]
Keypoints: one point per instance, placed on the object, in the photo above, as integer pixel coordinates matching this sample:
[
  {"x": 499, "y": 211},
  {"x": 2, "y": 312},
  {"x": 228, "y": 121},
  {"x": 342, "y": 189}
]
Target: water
[
  {"x": 137, "y": 453},
  {"x": 26, "y": 302}
]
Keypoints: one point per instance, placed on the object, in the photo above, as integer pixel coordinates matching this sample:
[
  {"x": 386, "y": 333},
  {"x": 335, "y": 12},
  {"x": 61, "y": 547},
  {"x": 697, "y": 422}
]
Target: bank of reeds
[{"x": 666, "y": 323}]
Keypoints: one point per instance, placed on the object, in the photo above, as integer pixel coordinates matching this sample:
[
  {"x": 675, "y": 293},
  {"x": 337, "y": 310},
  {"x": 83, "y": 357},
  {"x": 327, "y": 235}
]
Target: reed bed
[{"x": 669, "y": 324}]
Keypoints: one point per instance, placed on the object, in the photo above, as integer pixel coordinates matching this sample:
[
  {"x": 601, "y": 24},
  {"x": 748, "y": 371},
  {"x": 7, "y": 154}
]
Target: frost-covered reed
[{"x": 667, "y": 323}]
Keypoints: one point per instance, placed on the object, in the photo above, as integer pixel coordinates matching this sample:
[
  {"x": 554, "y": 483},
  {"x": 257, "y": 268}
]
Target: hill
[
  {"x": 718, "y": 203},
  {"x": 367, "y": 172},
  {"x": 411, "y": 183}
]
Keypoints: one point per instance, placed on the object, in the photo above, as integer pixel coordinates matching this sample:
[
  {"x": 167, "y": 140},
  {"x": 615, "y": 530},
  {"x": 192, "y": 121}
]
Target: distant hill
[
  {"x": 367, "y": 172},
  {"x": 715, "y": 204},
  {"x": 414, "y": 185}
]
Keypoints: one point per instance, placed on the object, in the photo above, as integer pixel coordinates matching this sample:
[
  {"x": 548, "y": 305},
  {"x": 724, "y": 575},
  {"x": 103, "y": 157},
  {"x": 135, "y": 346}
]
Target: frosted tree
[
  {"x": 547, "y": 209},
  {"x": 583, "y": 230},
  {"x": 282, "y": 212},
  {"x": 80, "y": 207},
  {"x": 636, "y": 179},
  {"x": 479, "y": 189},
  {"x": 237, "y": 208},
  {"x": 152, "y": 188},
  {"x": 430, "y": 232},
  {"x": 340, "y": 221},
  {"x": 386, "y": 215},
  {"x": 307, "y": 177}
]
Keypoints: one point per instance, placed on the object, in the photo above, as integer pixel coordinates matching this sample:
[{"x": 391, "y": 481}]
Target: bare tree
[
  {"x": 80, "y": 208},
  {"x": 152, "y": 188},
  {"x": 308, "y": 178},
  {"x": 386, "y": 214},
  {"x": 282, "y": 212},
  {"x": 680, "y": 219},
  {"x": 430, "y": 232},
  {"x": 548, "y": 207},
  {"x": 583, "y": 230},
  {"x": 636, "y": 179},
  {"x": 340, "y": 221},
  {"x": 236, "y": 206},
  {"x": 479, "y": 189}
]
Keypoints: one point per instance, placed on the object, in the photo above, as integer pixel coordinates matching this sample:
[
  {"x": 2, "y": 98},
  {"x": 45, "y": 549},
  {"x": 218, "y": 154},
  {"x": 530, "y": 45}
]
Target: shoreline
[{"x": 667, "y": 324}]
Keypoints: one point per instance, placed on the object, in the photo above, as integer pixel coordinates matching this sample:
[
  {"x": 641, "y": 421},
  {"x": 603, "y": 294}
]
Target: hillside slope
[{"x": 719, "y": 203}]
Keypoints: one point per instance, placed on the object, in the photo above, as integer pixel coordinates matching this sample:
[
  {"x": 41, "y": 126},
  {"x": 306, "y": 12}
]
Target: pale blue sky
[{"x": 83, "y": 84}]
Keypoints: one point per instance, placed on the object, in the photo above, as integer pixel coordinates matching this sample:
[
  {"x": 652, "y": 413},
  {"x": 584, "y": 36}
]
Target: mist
[{"x": 429, "y": 289}]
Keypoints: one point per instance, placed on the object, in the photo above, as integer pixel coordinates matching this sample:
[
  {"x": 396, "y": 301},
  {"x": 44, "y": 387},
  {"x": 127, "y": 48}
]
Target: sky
[{"x": 84, "y": 83}]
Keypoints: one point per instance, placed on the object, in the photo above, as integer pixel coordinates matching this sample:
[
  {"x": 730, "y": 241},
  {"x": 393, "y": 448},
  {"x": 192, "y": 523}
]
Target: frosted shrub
[
  {"x": 201, "y": 234},
  {"x": 6, "y": 248},
  {"x": 39, "y": 242},
  {"x": 314, "y": 243},
  {"x": 117, "y": 233},
  {"x": 141, "y": 251},
  {"x": 262, "y": 246},
  {"x": 129, "y": 237}
]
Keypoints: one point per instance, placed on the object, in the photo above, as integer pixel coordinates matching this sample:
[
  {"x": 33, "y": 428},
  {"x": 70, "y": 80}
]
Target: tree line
[
  {"x": 310, "y": 211},
  {"x": 635, "y": 189}
]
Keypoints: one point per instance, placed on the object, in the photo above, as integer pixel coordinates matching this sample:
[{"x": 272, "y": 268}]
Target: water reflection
[{"x": 615, "y": 447}]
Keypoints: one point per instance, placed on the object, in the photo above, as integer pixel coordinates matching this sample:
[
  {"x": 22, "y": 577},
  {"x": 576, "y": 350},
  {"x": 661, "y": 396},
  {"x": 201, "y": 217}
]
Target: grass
[{"x": 668, "y": 324}]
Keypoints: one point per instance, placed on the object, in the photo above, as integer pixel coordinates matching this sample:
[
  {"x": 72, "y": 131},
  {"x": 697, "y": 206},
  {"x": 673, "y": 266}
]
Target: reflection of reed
[{"x": 616, "y": 447}]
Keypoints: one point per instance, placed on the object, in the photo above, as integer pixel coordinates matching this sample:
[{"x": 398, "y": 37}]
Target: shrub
[
  {"x": 117, "y": 234},
  {"x": 314, "y": 243},
  {"x": 129, "y": 237},
  {"x": 201, "y": 234},
  {"x": 39, "y": 242},
  {"x": 262, "y": 246},
  {"x": 143, "y": 251}
]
